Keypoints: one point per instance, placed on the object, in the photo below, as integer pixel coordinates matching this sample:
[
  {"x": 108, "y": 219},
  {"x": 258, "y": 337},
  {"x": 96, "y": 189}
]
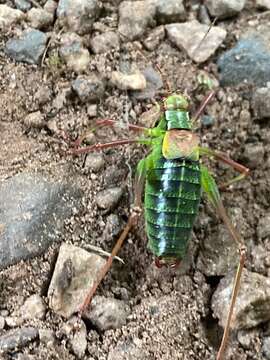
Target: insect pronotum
[{"x": 168, "y": 186}]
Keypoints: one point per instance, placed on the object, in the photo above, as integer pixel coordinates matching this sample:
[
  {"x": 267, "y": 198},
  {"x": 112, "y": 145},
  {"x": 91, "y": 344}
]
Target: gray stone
[
  {"x": 78, "y": 15},
  {"x": 253, "y": 155},
  {"x": 88, "y": 88},
  {"x": 77, "y": 339},
  {"x": 112, "y": 228},
  {"x": 34, "y": 120},
  {"x": 92, "y": 110},
  {"x": 245, "y": 337},
  {"x": 43, "y": 95},
  {"x": 22, "y": 5},
  {"x": 2, "y": 322},
  {"x": 32, "y": 214},
  {"x": 128, "y": 351},
  {"x": 169, "y": 11},
  {"x": 73, "y": 53},
  {"x": 135, "y": 17},
  {"x": 46, "y": 336},
  {"x": 74, "y": 275},
  {"x": 263, "y": 4},
  {"x": 123, "y": 81},
  {"x": 105, "y": 42},
  {"x": 50, "y": 6},
  {"x": 154, "y": 38},
  {"x": 14, "y": 321},
  {"x": 94, "y": 162},
  {"x": 261, "y": 103},
  {"x": 39, "y": 18},
  {"x": 15, "y": 339},
  {"x": 188, "y": 36},
  {"x": 9, "y": 16},
  {"x": 248, "y": 61},
  {"x": 218, "y": 254},
  {"x": 109, "y": 198},
  {"x": 253, "y": 302},
  {"x": 106, "y": 313},
  {"x": 266, "y": 347},
  {"x": 263, "y": 228},
  {"x": 153, "y": 84},
  {"x": 225, "y": 8},
  {"x": 33, "y": 308},
  {"x": 28, "y": 48},
  {"x": 203, "y": 15}
]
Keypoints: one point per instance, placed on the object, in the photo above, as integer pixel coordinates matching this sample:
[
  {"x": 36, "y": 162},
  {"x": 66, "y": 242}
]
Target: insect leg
[
  {"x": 210, "y": 188},
  {"x": 203, "y": 105},
  {"x": 244, "y": 171},
  {"x": 132, "y": 221}
]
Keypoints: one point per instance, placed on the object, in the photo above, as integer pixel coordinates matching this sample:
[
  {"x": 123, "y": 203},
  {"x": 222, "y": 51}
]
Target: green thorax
[{"x": 176, "y": 113}]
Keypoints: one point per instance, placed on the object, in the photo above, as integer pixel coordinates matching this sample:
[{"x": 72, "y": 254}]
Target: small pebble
[
  {"x": 128, "y": 81},
  {"x": 107, "y": 313},
  {"x": 261, "y": 103},
  {"x": 253, "y": 155},
  {"x": 34, "y": 120},
  {"x": 33, "y": 308},
  {"x": 109, "y": 198},
  {"x": 224, "y": 8},
  {"x": 94, "y": 162}
]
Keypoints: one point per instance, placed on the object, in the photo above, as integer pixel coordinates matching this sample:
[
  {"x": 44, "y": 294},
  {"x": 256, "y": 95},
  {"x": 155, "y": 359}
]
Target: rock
[
  {"x": 78, "y": 338},
  {"x": 9, "y": 16},
  {"x": 135, "y": 17},
  {"x": 253, "y": 155},
  {"x": 128, "y": 351},
  {"x": 22, "y": 5},
  {"x": 50, "y": 6},
  {"x": 263, "y": 228},
  {"x": 78, "y": 15},
  {"x": 224, "y": 8},
  {"x": 203, "y": 15},
  {"x": 261, "y": 103},
  {"x": 188, "y": 37},
  {"x": 248, "y": 61},
  {"x": 92, "y": 110},
  {"x": 154, "y": 38},
  {"x": 46, "y": 337},
  {"x": 218, "y": 253},
  {"x": 169, "y": 11},
  {"x": 43, "y": 95},
  {"x": 14, "y": 321},
  {"x": 74, "y": 274},
  {"x": 33, "y": 211},
  {"x": 88, "y": 88},
  {"x": 123, "y": 81},
  {"x": 109, "y": 198},
  {"x": 73, "y": 53},
  {"x": 153, "y": 84},
  {"x": 253, "y": 302},
  {"x": 263, "y": 5},
  {"x": 266, "y": 347},
  {"x": 15, "y": 339},
  {"x": 33, "y": 308},
  {"x": 34, "y": 120},
  {"x": 245, "y": 337},
  {"x": 28, "y": 48},
  {"x": 106, "y": 313},
  {"x": 94, "y": 162},
  {"x": 2, "y": 322},
  {"x": 207, "y": 120},
  {"x": 39, "y": 18},
  {"x": 112, "y": 228},
  {"x": 105, "y": 42}
]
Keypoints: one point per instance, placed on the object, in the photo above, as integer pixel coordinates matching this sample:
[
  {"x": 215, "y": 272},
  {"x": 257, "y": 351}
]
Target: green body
[
  {"x": 171, "y": 201},
  {"x": 172, "y": 187}
]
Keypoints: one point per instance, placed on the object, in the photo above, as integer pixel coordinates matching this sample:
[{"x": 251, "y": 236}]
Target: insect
[{"x": 168, "y": 187}]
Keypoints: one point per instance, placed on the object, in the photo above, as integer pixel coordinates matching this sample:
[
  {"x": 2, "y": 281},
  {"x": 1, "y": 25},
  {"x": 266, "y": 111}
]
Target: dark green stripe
[
  {"x": 171, "y": 204},
  {"x": 185, "y": 174},
  {"x": 169, "y": 219}
]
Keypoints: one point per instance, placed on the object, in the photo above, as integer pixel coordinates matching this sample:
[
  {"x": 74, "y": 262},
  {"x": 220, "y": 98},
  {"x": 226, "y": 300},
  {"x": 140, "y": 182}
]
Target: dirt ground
[{"x": 170, "y": 314}]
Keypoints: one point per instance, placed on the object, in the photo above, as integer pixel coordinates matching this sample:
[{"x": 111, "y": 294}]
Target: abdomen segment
[{"x": 172, "y": 197}]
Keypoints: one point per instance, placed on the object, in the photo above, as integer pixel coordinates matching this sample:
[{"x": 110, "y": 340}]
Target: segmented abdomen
[{"x": 172, "y": 197}]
